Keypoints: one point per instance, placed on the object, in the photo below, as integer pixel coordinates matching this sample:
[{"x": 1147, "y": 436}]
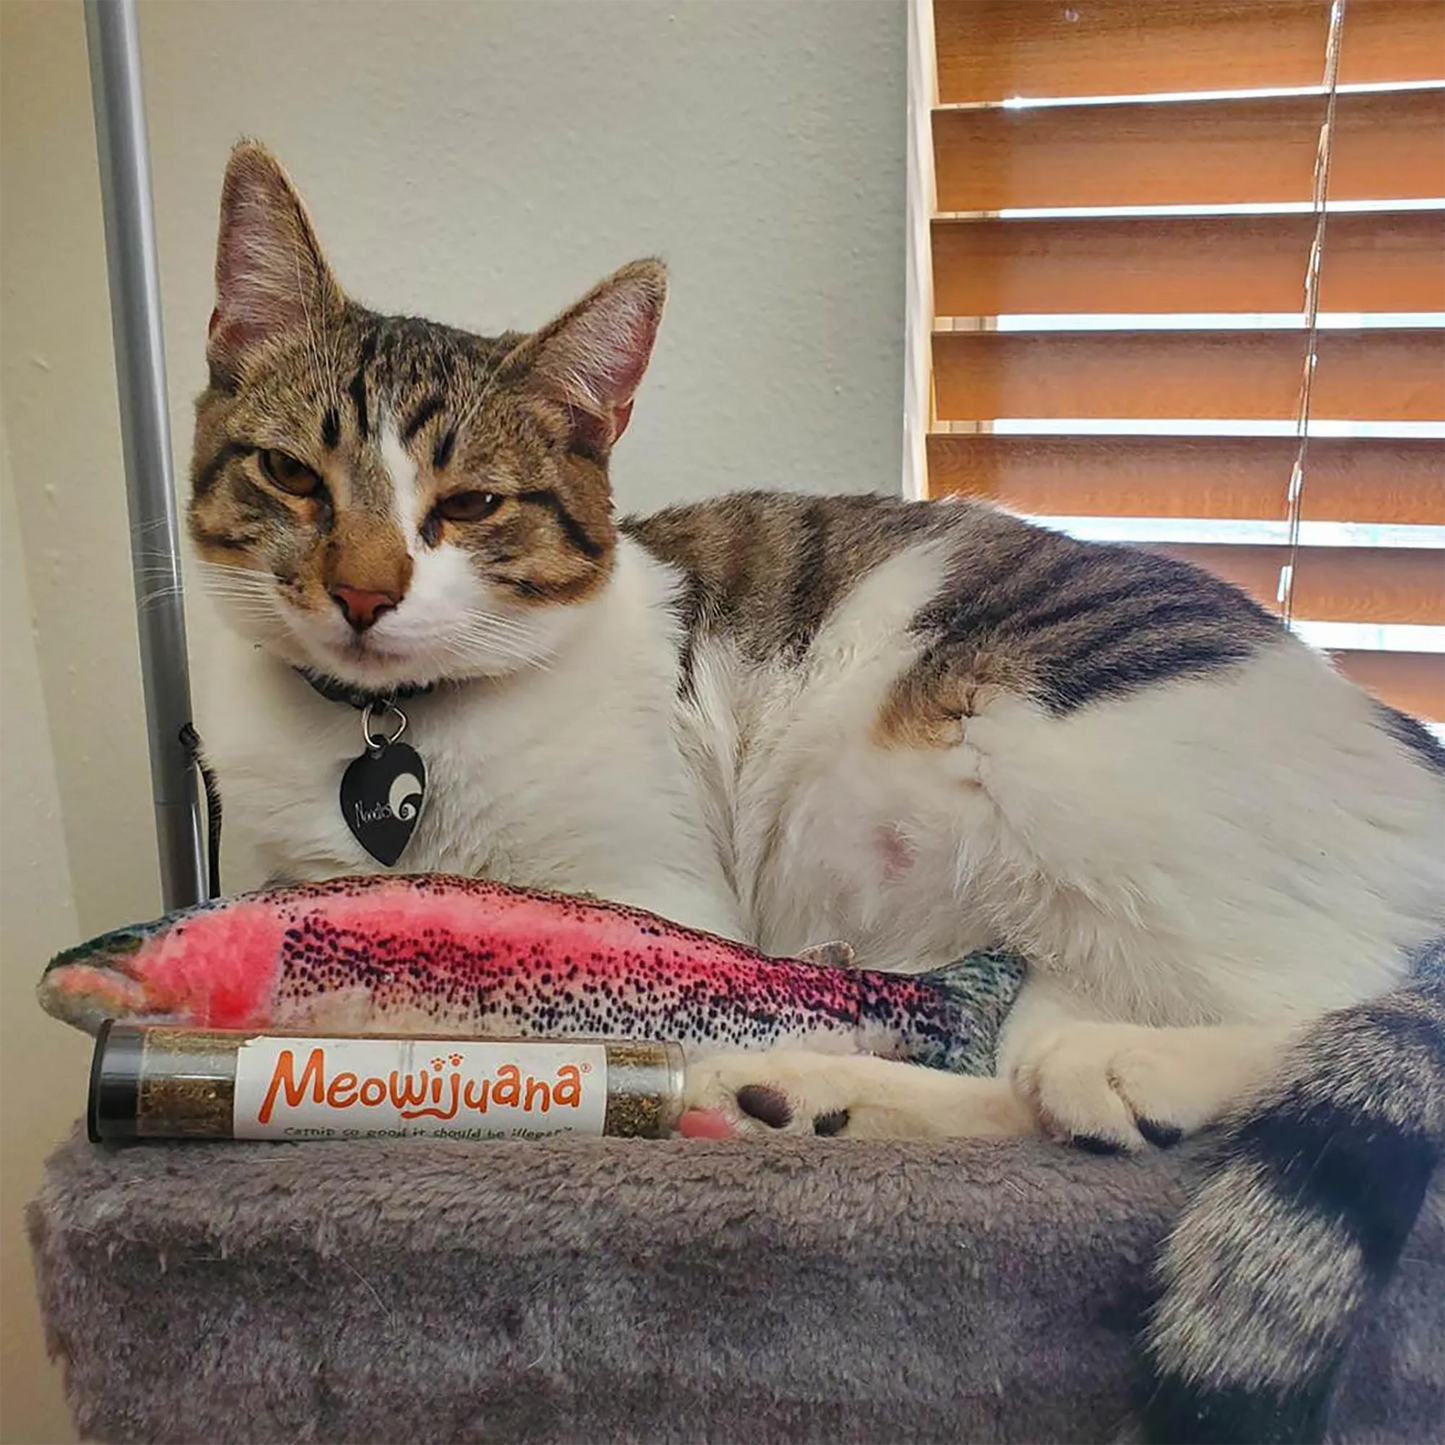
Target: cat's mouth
[
  {"x": 365, "y": 646},
  {"x": 367, "y": 654},
  {"x": 367, "y": 660},
  {"x": 415, "y": 649}
]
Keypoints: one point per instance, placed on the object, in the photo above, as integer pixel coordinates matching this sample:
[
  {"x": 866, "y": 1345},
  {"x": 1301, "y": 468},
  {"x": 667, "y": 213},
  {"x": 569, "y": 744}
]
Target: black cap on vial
[{"x": 113, "y": 1105}]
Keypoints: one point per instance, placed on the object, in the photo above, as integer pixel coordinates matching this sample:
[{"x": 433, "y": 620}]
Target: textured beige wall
[
  {"x": 482, "y": 161},
  {"x": 42, "y": 1066},
  {"x": 76, "y": 853}
]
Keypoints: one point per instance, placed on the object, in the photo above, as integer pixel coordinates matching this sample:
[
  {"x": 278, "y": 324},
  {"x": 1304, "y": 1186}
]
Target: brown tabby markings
[
  {"x": 1340, "y": 1148},
  {"x": 1022, "y": 609},
  {"x": 317, "y": 376},
  {"x": 765, "y": 569},
  {"x": 927, "y": 705},
  {"x": 530, "y": 420},
  {"x": 544, "y": 544},
  {"x": 297, "y": 367}
]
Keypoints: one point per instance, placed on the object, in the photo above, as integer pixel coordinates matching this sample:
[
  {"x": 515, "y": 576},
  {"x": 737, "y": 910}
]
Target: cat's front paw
[
  {"x": 793, "y": 1091},
  {"x": 780, "y": 1092},
  {"x": 1110, "y": 1087}
]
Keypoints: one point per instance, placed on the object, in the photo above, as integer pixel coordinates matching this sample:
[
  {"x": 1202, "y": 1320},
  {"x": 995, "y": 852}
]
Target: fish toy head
[
  {"x": 206, "y": 966},
  {"x": 98, "y": 980}
]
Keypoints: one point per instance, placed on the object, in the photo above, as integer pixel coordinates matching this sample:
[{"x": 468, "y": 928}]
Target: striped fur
[
  {"x": 298, "y": 368},
  {"x": 1320, "y": 1179},
  {"x": 921, "y": 727},
  {"x": 765, "y": 569}
]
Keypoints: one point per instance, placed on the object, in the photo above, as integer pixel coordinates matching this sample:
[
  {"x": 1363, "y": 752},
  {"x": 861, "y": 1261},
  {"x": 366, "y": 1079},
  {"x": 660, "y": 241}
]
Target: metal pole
[{"x": 140, "y": 369}]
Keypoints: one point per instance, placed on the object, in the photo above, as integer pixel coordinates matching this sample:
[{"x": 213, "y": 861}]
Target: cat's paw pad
[
  {"x": 1111, "y": 1087},
  {"x": 785, "y": 1092}
]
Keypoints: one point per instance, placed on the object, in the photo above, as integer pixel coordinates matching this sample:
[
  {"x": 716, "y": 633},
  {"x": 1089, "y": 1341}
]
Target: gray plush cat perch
[
  {"x": 588, "y": 1290},
  {"x": 596, "y": 1291}
]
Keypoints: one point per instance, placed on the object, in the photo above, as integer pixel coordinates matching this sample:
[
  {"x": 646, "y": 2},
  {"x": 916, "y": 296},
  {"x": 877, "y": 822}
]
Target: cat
[{"x": 922, "y": 727}]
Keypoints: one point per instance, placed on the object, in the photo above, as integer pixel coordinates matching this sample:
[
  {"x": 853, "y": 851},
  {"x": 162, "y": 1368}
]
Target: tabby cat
[{"x": 921, "y": 727}]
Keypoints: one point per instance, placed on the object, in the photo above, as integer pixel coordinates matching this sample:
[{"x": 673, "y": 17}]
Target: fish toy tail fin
[{"x": 978, "y": 989}]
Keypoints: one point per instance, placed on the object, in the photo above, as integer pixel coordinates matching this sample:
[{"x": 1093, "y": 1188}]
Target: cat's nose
[{"x": 361, "y": 607}]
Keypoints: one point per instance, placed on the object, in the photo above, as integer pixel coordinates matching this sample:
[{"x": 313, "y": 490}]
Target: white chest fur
[
  {"x": 1177, "y": 855},
  {"x": 563, "y": 776}
]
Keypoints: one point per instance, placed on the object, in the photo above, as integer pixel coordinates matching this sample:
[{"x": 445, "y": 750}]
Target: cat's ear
[
  {"x": 271, "y": 277},
  {"x": 591, "y": 358}
]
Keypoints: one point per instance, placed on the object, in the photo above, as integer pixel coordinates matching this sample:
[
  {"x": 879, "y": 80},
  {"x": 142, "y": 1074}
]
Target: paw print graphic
[
  {"x": 455, "y": 1060},
  {"x": 438, "y": 1064}
]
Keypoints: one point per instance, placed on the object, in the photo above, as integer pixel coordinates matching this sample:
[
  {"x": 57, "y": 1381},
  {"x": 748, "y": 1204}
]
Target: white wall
[
  {"x": 42, "y": 1066},
  {"x": 482, "y": 161}
]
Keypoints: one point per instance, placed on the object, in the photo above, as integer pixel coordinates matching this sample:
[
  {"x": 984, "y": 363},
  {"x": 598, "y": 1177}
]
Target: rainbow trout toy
[{"x": 433, "y": 954}]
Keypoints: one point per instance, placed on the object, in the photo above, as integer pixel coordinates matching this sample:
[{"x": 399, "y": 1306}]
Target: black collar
[{"x": 334, "y": 690}]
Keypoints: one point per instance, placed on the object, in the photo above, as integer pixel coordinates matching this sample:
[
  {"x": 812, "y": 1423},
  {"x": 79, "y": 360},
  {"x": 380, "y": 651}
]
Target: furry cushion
[{"x": 608, "y": 1290}]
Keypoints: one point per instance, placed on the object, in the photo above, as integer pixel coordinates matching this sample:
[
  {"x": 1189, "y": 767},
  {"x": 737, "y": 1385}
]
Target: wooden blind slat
[
  {"x": 1392, "y": 262},
  {"x": 1334, "y": 584},
  {"x": 1388, "y": 146},
  {"x": 1412, "y": 681},
  {"x": 1362, "y": 480},
  {"x": 992, "y": 49},
  {"x": 1364, "y": 375}
]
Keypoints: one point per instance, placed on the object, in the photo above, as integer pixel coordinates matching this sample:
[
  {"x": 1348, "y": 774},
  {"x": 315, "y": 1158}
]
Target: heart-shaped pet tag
[{"x": 382, "y": 793}]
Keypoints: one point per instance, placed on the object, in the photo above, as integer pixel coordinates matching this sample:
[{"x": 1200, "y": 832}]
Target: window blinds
[{"x": 1122, "y": 224}]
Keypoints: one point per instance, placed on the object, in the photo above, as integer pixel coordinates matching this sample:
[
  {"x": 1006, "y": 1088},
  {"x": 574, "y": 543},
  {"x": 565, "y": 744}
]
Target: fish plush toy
[{"x": 435, "y": 954}]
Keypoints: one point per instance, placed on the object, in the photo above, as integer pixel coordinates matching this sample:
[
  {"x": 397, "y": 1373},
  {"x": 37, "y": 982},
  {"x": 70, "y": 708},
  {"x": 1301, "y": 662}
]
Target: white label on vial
[{"x": 302, "y": 1088}]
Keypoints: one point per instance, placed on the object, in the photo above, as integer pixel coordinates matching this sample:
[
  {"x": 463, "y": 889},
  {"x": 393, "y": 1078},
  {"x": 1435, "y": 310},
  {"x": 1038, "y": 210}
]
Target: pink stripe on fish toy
[{"x": 383, "y": 954}]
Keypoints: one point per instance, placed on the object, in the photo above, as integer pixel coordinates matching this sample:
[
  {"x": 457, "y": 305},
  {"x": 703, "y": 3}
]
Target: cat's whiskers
[
  {"x": 250, "y": 601},
  {"x": 247, "y": 594},
  {"x": 518, "y": 643},
  {"x": 490, "y": 618},
  {"x": 220, "y": 572},
  {"x": 499, "y": 643},
  {"x": 482, "y": 637},
  {"x": 220, "y": 582}
]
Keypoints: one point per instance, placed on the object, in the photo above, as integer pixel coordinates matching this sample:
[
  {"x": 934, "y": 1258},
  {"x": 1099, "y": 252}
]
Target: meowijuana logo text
[{"x": 441, "y": 1089}]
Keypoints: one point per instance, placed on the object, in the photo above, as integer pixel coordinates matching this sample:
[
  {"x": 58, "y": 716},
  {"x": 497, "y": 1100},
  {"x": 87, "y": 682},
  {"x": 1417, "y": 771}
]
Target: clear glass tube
[{"x": 158, "y": 1082}]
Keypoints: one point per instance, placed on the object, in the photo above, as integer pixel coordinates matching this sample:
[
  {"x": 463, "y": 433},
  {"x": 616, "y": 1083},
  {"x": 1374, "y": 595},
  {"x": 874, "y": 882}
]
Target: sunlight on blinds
[{"x": 1125, "y": 213}]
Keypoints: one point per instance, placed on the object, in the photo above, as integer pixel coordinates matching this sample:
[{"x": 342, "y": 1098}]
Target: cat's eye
[
  {"x": 468, "y": 506},
  {"x": 289, "y": 474}
]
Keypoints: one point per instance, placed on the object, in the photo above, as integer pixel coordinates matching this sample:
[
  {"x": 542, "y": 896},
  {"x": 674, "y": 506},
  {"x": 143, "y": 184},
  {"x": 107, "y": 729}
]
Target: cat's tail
[{"x": 1284, "y": 1250}]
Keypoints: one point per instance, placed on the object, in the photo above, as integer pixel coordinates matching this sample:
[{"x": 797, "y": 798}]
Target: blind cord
[{"x": 1320, "y": 192}]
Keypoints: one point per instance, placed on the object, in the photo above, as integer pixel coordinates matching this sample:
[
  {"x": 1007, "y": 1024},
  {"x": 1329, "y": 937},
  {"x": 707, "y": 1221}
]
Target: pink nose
[{"x": 360, "y": 607}]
